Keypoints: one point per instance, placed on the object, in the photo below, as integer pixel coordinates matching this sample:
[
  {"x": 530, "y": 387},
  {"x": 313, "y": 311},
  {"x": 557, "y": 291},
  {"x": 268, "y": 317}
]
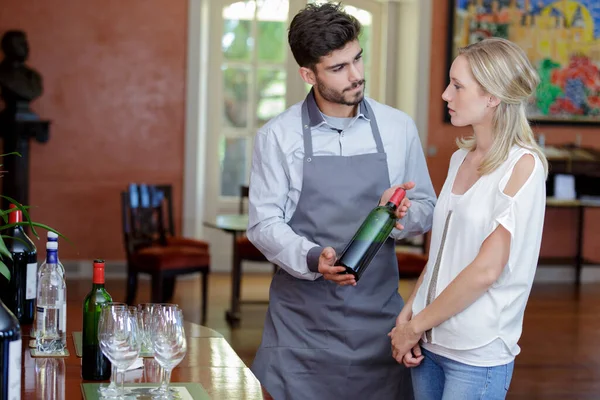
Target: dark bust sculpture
[{"x": 19, "y": 84}]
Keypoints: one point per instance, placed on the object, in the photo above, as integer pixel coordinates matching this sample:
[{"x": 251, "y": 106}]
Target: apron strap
[
  {"x": 374, "y": 127},
  {"x": 307, "y": 135}
]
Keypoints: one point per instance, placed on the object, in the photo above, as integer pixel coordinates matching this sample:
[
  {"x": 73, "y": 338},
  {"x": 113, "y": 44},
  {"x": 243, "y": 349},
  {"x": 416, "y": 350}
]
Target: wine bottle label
[
  {"x": 14, "y": 370},
  {"x": 31, "y": 282},
  {"x": 40, "y": 319}
]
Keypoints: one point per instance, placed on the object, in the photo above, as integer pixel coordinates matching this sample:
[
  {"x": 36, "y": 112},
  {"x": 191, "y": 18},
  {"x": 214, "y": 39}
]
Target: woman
[{"x": 460, "y": 327}]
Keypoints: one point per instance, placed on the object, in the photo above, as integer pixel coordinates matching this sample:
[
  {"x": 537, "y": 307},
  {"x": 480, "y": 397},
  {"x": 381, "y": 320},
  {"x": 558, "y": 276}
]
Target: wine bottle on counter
[
  {"x": 10, "y": 354},
  {"x": 20, "y": 296},
  {"x": 371, "y": 235},
  {"x": 94, "y": 365}
]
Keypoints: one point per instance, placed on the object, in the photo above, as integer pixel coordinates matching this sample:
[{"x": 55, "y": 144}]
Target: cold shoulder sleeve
[{"x": 520, "y": 208}]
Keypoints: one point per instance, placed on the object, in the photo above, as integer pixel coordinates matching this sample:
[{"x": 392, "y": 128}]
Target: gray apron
[{"x": 322, "y": 341}]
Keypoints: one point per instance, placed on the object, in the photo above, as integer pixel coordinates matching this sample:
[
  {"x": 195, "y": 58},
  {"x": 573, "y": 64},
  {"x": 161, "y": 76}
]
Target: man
[{"x": 317, "y": 171}]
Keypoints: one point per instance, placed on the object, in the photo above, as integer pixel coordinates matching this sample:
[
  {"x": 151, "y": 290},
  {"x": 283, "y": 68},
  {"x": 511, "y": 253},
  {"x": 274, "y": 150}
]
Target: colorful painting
[{"x": 561, "y": 39}]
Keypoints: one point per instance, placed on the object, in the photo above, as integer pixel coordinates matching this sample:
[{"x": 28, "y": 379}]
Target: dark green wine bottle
[
  {"x": 11, "y": 364},
  {"x": 20, "y": 297},
  {"x": 371, "y": 235},
  {"x": 94, "y": 365}
]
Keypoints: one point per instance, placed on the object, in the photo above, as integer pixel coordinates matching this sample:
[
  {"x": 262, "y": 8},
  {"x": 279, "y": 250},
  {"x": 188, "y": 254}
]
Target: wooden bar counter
[{"x": 210, "y": 361}]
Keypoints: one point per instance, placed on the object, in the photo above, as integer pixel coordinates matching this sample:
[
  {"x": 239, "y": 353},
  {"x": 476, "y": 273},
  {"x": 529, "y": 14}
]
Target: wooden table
[
  {"x": 233, "y": 224},
  {"x": 584, "y": 165},
  {"x": 569, "y": 159},
  {"x": 210, "y": 361},
  {"x": 578, "y": 260}
]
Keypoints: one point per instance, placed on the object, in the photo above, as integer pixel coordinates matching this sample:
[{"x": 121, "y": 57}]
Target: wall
[
  {"x": 114, "y": 78},
  {"x": 559, "y": 229}
]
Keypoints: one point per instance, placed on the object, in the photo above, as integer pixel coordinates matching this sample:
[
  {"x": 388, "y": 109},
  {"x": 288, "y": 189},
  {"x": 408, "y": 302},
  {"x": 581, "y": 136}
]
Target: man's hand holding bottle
[{"x": 328, "y": 256}]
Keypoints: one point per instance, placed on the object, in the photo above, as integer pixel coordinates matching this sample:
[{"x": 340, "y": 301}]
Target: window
[
  {"x": 254, "y": 51},
  {"x": 254, "y": 69}
]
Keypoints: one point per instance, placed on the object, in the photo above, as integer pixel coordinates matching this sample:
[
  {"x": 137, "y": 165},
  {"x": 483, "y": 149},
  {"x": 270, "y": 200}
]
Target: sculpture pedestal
[{"x": 16, "y": 136}]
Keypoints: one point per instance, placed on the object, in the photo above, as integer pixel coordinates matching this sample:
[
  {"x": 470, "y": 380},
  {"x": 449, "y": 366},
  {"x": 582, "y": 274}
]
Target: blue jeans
[{"x": 439, "y": 378}]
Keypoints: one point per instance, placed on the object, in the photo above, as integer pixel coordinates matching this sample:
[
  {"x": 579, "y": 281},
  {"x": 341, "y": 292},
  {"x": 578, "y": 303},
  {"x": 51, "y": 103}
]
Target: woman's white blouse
[{"x": 498, "y": 313}]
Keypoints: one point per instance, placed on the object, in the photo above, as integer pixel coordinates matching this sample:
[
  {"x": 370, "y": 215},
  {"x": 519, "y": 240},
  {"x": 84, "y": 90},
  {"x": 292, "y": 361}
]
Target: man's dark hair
[{"x": 319, "y": 29}]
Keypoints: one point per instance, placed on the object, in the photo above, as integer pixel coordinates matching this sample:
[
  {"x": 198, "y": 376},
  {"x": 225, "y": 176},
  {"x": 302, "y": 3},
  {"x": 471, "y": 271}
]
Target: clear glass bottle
[
  {"x": 52, "y": 305},
  {"x": 52, "y": 237}
]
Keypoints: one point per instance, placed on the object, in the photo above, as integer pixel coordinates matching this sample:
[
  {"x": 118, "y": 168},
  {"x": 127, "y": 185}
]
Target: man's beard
[{"x": 334, "y": 96}]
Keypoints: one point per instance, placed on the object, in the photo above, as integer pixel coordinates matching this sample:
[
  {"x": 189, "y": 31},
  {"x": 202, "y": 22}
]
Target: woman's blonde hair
[{"x": 502, "y": 69}]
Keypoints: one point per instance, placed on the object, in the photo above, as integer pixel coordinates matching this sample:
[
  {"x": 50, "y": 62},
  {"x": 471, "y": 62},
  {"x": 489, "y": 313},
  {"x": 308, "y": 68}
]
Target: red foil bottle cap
[
  {"x": 98, "y": 272},
  {"x": 398, "y": 196},
  {"x": 14, "y": 216}
]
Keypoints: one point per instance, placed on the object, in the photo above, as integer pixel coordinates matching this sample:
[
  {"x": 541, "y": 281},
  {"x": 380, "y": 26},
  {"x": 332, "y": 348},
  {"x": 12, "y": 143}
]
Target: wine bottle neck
[
  {"x": 398, "y": 195},
  {"x": 98, "y": 278},
  {"x": 391, "y": 206},
  {"x": 15, "y": 216}
]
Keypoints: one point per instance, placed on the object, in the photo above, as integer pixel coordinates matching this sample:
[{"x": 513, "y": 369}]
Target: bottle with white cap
[
  {"x": 52, "y": 237},
  {"x": 51, "y": 318}
]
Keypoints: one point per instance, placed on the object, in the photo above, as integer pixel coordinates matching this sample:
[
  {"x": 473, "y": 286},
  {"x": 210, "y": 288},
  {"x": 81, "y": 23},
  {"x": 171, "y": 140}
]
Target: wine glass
[
  {"x": 169, "y": 343},
  {"x": 119, "y": 339},
  {"x": 111, "y": 390},
  {"x": 146, "y": 315}
]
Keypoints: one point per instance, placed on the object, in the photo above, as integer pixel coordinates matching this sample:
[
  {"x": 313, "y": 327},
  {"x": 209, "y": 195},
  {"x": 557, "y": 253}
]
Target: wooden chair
[
  {"x": 246, "y": 250},
  {"x": 152, "y": 247},
  {"x": 411, "y": 264}
]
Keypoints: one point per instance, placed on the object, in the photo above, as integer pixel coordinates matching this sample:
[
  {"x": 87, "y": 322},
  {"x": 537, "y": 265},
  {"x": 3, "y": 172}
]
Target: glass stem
[
  {"x": 113, "y": 377},
  {"x": 166, "y": 378},
  {"x": 162, "y": 379},
  {"x": 122, "y": 383}
]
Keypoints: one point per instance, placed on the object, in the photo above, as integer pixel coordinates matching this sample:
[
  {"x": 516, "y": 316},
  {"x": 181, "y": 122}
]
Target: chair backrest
[
  {"x": 147, "y": 215},
  {"x": 244, "y": 190}
]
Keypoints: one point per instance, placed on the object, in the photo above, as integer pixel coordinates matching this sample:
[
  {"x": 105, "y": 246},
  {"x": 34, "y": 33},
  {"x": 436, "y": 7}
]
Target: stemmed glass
[
  {"x": 169, "y": 343},
  {"x": 111, "y": 390},
  {"x": 119, "y": 339},
  {"x": 145, "y": 315}
]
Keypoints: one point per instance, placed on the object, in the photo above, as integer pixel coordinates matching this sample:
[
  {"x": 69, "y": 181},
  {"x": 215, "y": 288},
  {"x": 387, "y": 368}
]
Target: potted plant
[{"x": 5, "y": 225}]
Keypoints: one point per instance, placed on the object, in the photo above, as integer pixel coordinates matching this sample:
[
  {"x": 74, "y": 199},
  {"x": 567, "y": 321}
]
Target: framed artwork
[{"x": 561, "y": 39}]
